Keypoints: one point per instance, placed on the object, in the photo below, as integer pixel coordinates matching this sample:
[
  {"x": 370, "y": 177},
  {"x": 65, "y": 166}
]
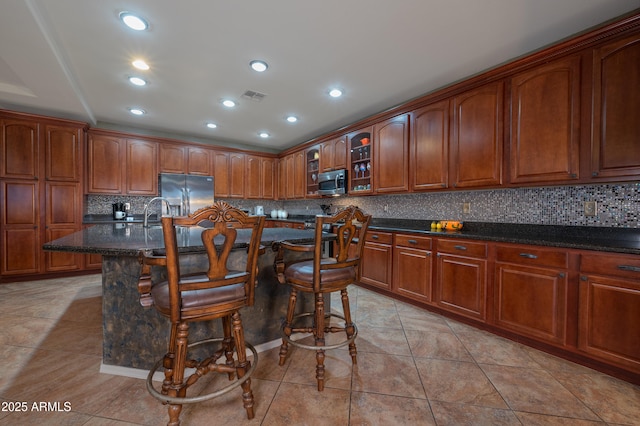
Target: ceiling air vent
[{"x": 253, "y": 96}]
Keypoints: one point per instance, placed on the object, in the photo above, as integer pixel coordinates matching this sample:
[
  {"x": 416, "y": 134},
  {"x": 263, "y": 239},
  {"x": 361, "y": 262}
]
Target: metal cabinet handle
[
  {"x": 561, "y": 275},
  {"x": 375, "y": 237},
  {"x": 629, "y": 268},
  {"x": 412, "y": 241},
  {"x": 528, "y": 255},
  {"x": 459, "y": 247}
]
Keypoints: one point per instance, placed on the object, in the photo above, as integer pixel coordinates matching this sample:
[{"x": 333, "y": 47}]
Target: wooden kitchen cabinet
[
  {"x": 62, "y": 217},
  {"x": 476, "y": 143},
  {"x": 312, "y": 159},
  {"x": 530, "y": 291},
  {"x": 20, "y": 141},
  {"x": 282, "y": 178},
  {"x": 412, "y": 267},
  {"x": 236, "y": 175},
  {"x": 141, "y": 167},
  {"x": 461, "y": 283},
  {"x": 333, "y": 154},
  {"x": 429, "y": 147},
  {"x": 295, "y": 173},
  {"x": 105, "y": 158},
  {"x": 361, "y": 161},
  {"x": 609, "y": 312},
  {"x": 377, "y": 259},
  {"x": 615, "y": 151},
  {"x": 545, "y": 123},
  {"x": 172, "y": 158},
  {"x": 63, "y": 148},
  {"x": 222, "y": 174},
  {"x": 199, "y": 161},
  {"x": 21, "y": 228},
  {"x": 259, "y": 177},
  {"x": 391, "y": 155}
]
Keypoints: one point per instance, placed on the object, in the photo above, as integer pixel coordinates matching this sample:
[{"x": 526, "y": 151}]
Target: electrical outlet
[
  {"x": 590, "y": 208},
  {"x": 386, "y": 208},
  {"x": 466, "y": 207}
]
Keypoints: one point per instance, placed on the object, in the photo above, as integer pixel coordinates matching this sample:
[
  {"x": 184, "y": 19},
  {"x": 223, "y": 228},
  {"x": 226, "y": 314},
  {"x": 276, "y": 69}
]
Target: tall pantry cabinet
[{"x": 41, "y": 192}]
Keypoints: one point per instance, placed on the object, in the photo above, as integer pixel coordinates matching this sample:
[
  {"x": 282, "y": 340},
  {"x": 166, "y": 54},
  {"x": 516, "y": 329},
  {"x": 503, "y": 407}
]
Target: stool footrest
[{"x": 327, "y": 329}]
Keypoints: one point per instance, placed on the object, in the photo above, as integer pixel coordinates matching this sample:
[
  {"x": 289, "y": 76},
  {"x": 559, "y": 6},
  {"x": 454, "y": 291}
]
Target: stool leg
[
  {"x": 243, "y": 364},
  {"x": 227, "y": 343},
  {"x": 286, "y": 328},
  {"x": 169, "y": 359},
  {"x": 348, "y": 324},
  {"x": 319, "y": 335},
  {"x": 177, "y": 388}
]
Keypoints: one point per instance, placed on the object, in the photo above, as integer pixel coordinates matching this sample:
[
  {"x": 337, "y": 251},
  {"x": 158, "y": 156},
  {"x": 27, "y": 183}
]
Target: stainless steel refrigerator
[{"x": 186, "y": 193}]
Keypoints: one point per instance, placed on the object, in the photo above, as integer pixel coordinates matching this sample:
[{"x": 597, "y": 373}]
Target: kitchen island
[{"x": 135, "y": 337}]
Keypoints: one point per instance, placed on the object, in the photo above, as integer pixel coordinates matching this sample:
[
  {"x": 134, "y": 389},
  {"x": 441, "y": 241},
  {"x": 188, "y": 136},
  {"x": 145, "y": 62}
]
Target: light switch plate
[{"x": 466, "y": 207}]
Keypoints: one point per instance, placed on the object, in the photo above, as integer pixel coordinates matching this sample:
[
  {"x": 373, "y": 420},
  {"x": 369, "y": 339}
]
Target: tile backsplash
[{"x": 618, "y": 205}]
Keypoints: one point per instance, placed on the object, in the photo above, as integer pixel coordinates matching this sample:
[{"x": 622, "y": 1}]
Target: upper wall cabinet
[
  {"x": 63, "y": 145},
  {"x": 429, "y": 147},
  {"x": 476, "y": 144},
  {"x": 545, "y": 123},
  {"x": 616, "y": 109},
  {"x": 199, "y": 161},
  {"x": 259, "y": 177},
  {"x": 333, "y": 154},
  {"x": 20, "y": 149},
  {"x": 391, "y": 155},
  {"x": 172, "y": 158},
  {"x": 121, "y": 166}
]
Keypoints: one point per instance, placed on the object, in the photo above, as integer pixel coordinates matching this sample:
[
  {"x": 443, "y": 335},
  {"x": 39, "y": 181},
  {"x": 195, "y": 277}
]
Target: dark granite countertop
[
  {"x": 89, "y": 219},
  {"x": 619, "y": 240},
  {"x": 127, "y": 239}
]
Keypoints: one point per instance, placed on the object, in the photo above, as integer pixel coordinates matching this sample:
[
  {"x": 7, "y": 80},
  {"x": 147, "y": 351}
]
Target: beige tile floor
[{"x": 414, "y": 368}]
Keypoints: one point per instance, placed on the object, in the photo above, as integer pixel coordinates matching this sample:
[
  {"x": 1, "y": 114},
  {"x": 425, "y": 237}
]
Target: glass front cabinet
[{"x": 361, "y": 165}]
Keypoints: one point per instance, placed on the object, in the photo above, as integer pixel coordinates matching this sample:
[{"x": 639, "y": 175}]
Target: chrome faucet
[{"x": 146, "y": 209}]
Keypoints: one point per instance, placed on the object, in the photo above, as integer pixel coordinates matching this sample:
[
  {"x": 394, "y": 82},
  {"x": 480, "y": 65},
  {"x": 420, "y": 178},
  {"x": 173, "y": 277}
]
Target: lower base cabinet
[
  {"x": 376, "y": 264},
  {"x": 609, "y": 312},
  {"x": 530, "y": 287},
  {"x": 412, "y": 267},
  {"x": 462, "y": 278}
]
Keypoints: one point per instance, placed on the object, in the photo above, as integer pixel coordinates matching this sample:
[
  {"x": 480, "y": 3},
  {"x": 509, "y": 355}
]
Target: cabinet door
[
  {"x": 461, "y": 278},
  {"x": 340, "y": 153},
  {"x": 62, "y": 153},
  {"x": 254, "y": 173},
  {"x": 476, "y": 144},
  {"x": 199, "y": 161},
  {"x": 282, "y": 178},
  {"x": 616, "y": 108},
  {"x": 531, "y": 301},
  {"x": 267, "y": 171},
  {"x": 106, "y": 157},
  {"x": 326, "y": 156},
  {"x": 377, "y": 257},
  {"x": 609, "y": 319},
  {"x": 172, "y": 159},
  {"x": 221, "y": 172},
  {"x": 21, "y": 240},
  {"x": 391, "y": 155},
  {"x": 142, "y": 167},
  {"x": 430, "y": 147},
  {"x": 299, "y": 173},
  {"x": 62, "y": 217},
  {"x": 545, "y": 123},
  {"x": 20, "y": 141},
  {"x": 236, "y": 175},
  {"x": 412, "y": 267}
]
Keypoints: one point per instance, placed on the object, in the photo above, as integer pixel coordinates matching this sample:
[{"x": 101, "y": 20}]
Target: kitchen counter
[
  {"x": 135, "y": 337},
  {"x": 616, "y": 240}
]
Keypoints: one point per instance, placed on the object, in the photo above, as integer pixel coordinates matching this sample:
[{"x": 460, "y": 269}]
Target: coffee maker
[{"x": 119, "y": 212}]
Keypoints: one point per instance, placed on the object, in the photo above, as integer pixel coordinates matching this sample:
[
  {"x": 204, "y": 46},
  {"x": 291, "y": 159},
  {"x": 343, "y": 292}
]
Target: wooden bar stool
[
  {"x": 218, "y": 292},
  {"x": 322, "y": 275}
]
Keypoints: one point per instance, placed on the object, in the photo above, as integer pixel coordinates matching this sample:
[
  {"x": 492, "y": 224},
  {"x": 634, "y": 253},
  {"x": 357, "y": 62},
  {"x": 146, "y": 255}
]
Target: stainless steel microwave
[{"x": 333, "y": 182}]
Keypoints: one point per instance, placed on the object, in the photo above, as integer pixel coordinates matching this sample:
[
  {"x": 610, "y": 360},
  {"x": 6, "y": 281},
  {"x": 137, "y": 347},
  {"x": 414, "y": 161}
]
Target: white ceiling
[{"x": 71, "y": 58}]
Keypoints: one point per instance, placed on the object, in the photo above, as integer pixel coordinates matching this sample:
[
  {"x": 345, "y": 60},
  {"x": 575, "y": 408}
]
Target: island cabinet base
[{"x": 136, "y": 337}]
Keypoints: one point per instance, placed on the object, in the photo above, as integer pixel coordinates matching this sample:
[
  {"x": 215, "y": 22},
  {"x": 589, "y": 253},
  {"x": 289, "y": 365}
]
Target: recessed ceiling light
[
  {"x": 134, "y": 22},
  {"x": 292, "y": 119},
  {"x": 212, "y": 125},
  {"x": 228, "y": 103},
  {"x": 140, "y": 64},
  {"x": 259, "y": 66},
  {"x": 263, "y": 135},
  {"x": 137, "y": 81},
  {"x": 335, "y": 93},
  {"x": 137, "y": 111}
]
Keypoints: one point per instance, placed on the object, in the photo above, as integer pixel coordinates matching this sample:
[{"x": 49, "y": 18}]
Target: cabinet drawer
[
  {"x": 532, "y": 256},
  {"x": 379, "y": 237},
  {"x": 463, "y": 248},
  {"x": 412, "y": 241},
  {"x": 617, "y": 265}
]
